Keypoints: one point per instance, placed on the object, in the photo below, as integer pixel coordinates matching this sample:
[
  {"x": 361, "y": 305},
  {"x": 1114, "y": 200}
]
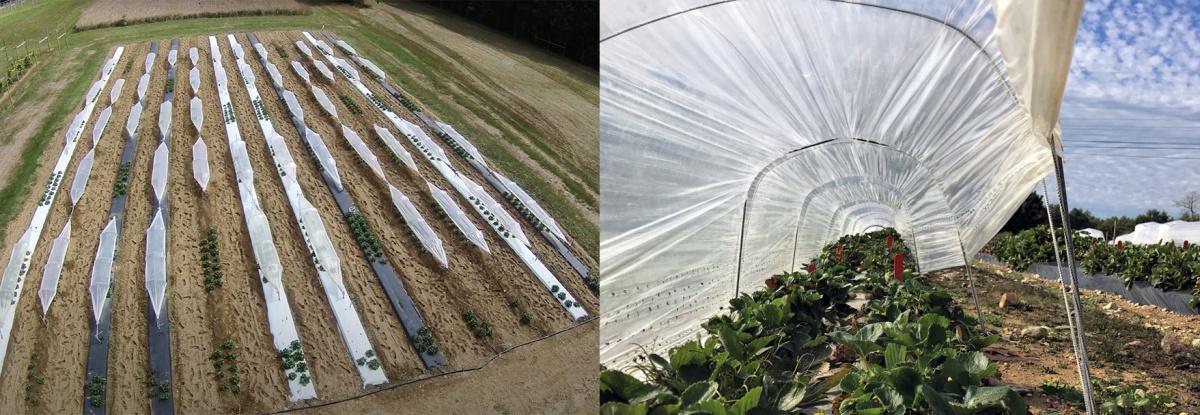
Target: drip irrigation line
[{"x": 441, "y": 375}]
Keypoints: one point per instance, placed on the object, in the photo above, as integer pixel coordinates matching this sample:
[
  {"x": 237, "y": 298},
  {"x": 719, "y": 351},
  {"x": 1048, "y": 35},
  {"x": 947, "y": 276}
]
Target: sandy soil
[
  {"x": 332, "y": 371},
  {"x": 510, "y": 80},
  {"x": 61, "y": 356},
  {"x": 201, "y": 321},
  {"x": 557, "y": 376},
  {"x": 545, "y": 252},
  {"x": 1027, "y": 363},
  {"x": 442, "y": 295},
  {"x": 551, "y": 258},
  {"x": 541, "y": 247},
  {"x": 237, "y": 309},
  {"x": 108, "y": 12}
]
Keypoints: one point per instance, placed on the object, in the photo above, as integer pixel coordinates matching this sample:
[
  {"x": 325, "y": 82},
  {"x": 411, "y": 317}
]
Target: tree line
[
  {"x": 1032, "y": 212},
  {"x": 567, "y": 28}
]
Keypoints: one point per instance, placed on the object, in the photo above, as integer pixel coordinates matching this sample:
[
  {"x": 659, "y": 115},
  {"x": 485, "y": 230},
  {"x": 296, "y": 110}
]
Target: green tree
[
  {"x": 1153, "y": 215},
  {"x": 1032, "y": 212}
]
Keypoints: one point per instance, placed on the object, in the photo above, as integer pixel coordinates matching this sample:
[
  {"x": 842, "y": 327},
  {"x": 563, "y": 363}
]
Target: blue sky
[{"x": 1131, "y": 114}]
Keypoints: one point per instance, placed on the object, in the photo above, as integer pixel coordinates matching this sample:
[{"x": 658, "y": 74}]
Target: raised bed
[
  {"x": 1140, "y": 292},
  {"x": 510, "y": 234},
  {"x": 402, "y": 303},
  {"x": 316, "y": 238},
  {"x": 279, "y": 313},
  {"x": 536, "y": 216},
  {"x": 16, "y": 271},
  {"x": 101, "y": 286},
  {"x": 158, "y": 315}
]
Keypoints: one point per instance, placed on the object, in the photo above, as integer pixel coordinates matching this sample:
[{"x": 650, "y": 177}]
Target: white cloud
[{"x": 1131, "y": 115}]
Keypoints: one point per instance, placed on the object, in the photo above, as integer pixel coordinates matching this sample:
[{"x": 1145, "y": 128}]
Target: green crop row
[
  {"x": 122, "y": 184},
  {"x": 477, "y": 325},
  {"x": 225, "y": 370},
  {"x": 15, "y": 71},
  {"x": 909, "y": 350},
  {"x": 365, "y": 237},
  {"x": 1165, "y": 266},
  {"x": 210, "y": 261}
]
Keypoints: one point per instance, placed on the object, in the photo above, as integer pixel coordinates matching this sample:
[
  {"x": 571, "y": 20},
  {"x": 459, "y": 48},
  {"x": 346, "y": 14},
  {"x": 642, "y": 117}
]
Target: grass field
[{"x": 507, "y": 127}]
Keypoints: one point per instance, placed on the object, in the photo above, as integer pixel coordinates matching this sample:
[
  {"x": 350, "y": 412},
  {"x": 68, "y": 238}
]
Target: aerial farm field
[{"x": 285, "y": 228}]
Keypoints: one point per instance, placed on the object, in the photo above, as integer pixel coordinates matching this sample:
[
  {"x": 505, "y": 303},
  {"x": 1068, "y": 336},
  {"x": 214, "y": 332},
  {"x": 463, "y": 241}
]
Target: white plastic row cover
[
  {"x": 194, "y": 80},
  {"x": 283, "y": 157},
  {"x": 164, "y": 117},
  {"x": 344, "y": 66},
  {"x": 82, "y": 173},
  {"x": 263, "y": 244},
  {"x": 532, "y": 205},
  {"x": 418, "y": 225},
  {"x": 397, "y": 149},
  {"x": 323, "y": 156},
  {"x": 462, "y": 141},
  {"x": 237, "y": 49},
  {"x": 247, "y": 73},
  {"x": 346, "y": 47},
  {"x": 422, "y": 140},
  {"x": 134, "y": 120},
  {"x": 323, "y": 99},
  {"x": 373, "y": 68},
  {"x": 293, "y": 104},
  {"x": 197, "y": 113},
  {"x": 258, "y": 47},
  {"x": 241, "y": 161},
  {"x": 322, "y": 46},
  {"x": 200, "y": 163},
  {"x": 507, "y": 221},
  {"x": 76, "y": 125},
  {"x": 222, "y": 79},
  {"x": 363, "y": 152},
  {"x": 194, "y": 54},
  {"x": 109, "y": 65},
  {"x": 101, "y": 124},
  {"x": 301, "y": 72},
  {"x": 54, "y": 265},
  {"x": 318, "y": 239},
  {"x": 150, "y": 61},
  {"x": 158, "y": 172},
  {"x": 273, "y": 71},
  {"x": 304, "y": 48},
  {"x": 458, "y": 217},
  {"x": 102, "y": 268},
  {"x": 156, "y": 262},
  {"x": 116, "y": 91},
  {"x": 324, "y": 70},
  {"x": 172, "y": 56},
  {"x": 143, "y": 84}
]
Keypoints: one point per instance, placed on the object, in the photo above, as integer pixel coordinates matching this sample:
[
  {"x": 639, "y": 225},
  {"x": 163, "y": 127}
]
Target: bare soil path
[{"x": 1123, "y": 340}]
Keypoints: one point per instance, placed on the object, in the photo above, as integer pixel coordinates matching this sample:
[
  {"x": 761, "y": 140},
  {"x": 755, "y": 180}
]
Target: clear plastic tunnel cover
[{"x": 742, "y": 135}]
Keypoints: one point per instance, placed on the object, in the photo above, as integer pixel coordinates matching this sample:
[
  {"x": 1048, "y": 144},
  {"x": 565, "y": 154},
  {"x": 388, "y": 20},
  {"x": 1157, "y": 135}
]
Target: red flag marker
[
  {"x": 812, "y": 268},
  {"x": 1120, "y": 245},
  {"x": 839, "y": 253},
  {"x": 898, "y": 267},
  {"x": 889, "y": 241},
  {"x": 1185, "y": 244}
]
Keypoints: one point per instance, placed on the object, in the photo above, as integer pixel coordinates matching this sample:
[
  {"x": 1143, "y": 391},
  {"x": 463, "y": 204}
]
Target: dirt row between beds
[
  {"x": 372, "y": 116},
  {"x": 496, "y": 286},
  {"x": 60, "y": 360},
  {"x": 544, "y": 251}
]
